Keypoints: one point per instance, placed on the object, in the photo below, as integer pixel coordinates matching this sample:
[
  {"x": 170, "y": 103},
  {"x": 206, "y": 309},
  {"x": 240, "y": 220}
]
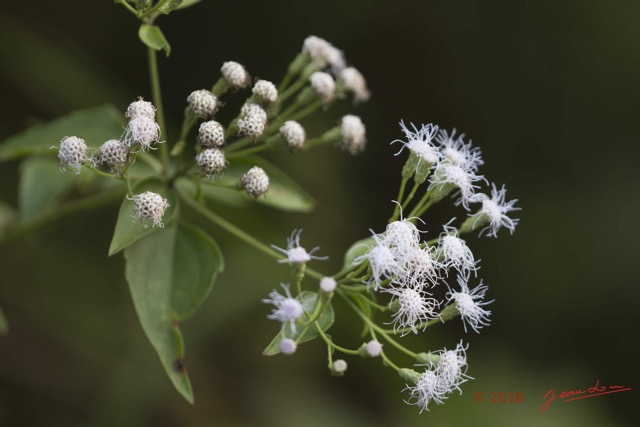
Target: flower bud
[
  {"x": 142, "y": 130},
  {"x": 324, "y": 85},
  {"x": 265, "y": 92},
  {"x": 324, "y": 53},
  {"x": 210, "y": 162},
  {"x": 140, "y": 108},
  {"x": 371, "y": 349},
  {"x": 211, "y": 134},
  {"x": 293, "y": 134},
  {"x": 149, "y": 208},
  {"x": 203, "y": 103},
  {"x": 114, "y": 154},
  {"x": 288, "y": 346},
  {"x": 72, "y": 153},
  {"x": 353, "y": 134},
  {"x": 328, "y": 284},
  {"x": 255, "y": 182},
  {"x": 253, "y": 121},
  {"x": 338, "y": 368},
  {"x": 235, "y": 75},
  {"x": 354, "y": 82}
]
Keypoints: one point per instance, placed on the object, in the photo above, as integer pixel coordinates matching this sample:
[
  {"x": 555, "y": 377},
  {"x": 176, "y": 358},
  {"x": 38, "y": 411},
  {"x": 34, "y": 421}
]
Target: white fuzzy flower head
[
  {"x": 255, "y": 182},
  {"x": 235, "y": 75},
  {"x": 339, "y": 367},
  {"x": 459, "y": 153},
  {"x": 404, "y": 235},
  {"x": 202, "y": 103},
  {"x": 149, "y": 208},
  {"x": 296, "y": 254},
  {"x": 114, "y": 154},
  {"x": 211, "y": 134},
  {"x": 456, "y": 253},
  {"x": 374, "y": 348},
  {"x": 421, "y": 269},
  {"x": 324, "y": 53},
  {"x": 448, "y": 176},
  {"x": 211, "y": 162},
  {"x": 470, "y": 304},
  {"x": 353, "y": 134},
  {"x": 382, "y": 262},
  {"x": 324, "y": 85},
  {"x": 142, "y": 130},
  {"x": 452, "y": 368},
  {"x": 140, "y": 108},
  {"x": 253, "y": 121},
  {"x": 288, "y": 346},
  {"x": 293, "y": 134},
  {"x": 328, "y": 284},
  {"x": 265, "y": 91},
  {"x": 429, "y": 387},
  {"x": 420, "y": 142},
  {"x": 72, "y": 153},
  {"x": 494, "y": 211},
  {"x": 355, "y": 83},
  {"x": 287, "y": 309},
  {"x": 415, "y": 309}
]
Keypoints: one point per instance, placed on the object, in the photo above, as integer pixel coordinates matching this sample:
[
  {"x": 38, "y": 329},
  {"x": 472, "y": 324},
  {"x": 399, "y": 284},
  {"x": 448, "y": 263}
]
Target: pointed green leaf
[
  {"x": 170, "y": 273},
  {"x": 152, "y": 36},
  {"x": 127, "y": 230},
  {"x": 283, "y": 192},
  {"x": 95, "y": 125},
  {"x": 303, "y": 333},
  {"x": 359, "y": 248},
  {"x": 42, "y": 186}
]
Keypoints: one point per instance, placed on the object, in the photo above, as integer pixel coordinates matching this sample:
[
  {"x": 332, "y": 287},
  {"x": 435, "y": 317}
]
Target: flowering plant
[{"x": 395, "y": 282}]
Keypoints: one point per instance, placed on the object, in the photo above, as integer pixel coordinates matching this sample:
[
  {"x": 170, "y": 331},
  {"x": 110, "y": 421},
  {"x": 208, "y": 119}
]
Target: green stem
[
  {"x": 68, "y": 208},
  {"x": 157, "y": 101},
  {"x": 405, "y": 330},
  {"x": 128, "y": 7},
  {"x": 396, "y": 211},
  {"x": 410, "y": 196},
  {"x": 101, "y": 173},
  {"x": 422, "y": 206},
  {"x": 334, "y": 345},
  {"x": 252, "y": 150}
]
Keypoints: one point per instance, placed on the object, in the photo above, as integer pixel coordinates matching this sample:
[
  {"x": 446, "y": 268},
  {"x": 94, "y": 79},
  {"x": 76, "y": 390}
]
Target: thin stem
[
  {"x": 101, "y": 173},
  {"x": 157, "y": 101},
  {"x": 419, "y": 209},
  {"x": 128, "y": 7},
  {"x": 396, "y": 211},
  {"x": 334, "y": 345},
  {"x": 252, "y": 150},
  {"x": 410, "y": 196}
]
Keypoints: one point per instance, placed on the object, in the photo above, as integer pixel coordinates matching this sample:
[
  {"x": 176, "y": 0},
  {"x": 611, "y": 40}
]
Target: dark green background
[{"x": 548, "y": 89}]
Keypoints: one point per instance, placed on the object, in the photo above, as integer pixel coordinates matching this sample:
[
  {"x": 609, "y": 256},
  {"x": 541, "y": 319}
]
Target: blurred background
[{"x": 548, "y": 90}]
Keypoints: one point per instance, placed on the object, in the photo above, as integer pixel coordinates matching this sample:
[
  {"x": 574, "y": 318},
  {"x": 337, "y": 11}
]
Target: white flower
[
  {"x": 288, "y": 346},
  {"x": 339, "y": 367},
  {"x": 293, "y": 134},
  {"x": 149, "y": 208},
  {"x": 255, "y": 182},
  {"x": 448, "y": 176},
  {"x": 354, "y": 82},
  {"x": 235, "y": 75},
  {"x": 253, "y": 121},
  {"x": 72, "y": 153},
  {"x": 324, "y": 53},
  {"x": 428, "y": 387},
  {"x": 328, "y": 284},
  {"x": 324, "y": 85},
  {"x": 494, "y": 211},
  {"x": 287, "y": 309},
  {"x": 142, "y": 130},
  {"x": 470, "y": 303},
  {"x": 420, "y": 268},
  {"x": 211, "y": 161},
  {"x": 374, "y": 348},
  {"x": 265, "y": 91},
  {"x": 456, "y": 253},
  {"x": 295, "y": 253},
  {"x": 420, "y": 143},
  {"x": 458, "y": 152},
  {"x": 452, "y": 368},
  {"x": 203, "y": 103},
  {"x": 140, "y": 108},
  {"x": 415, "y": 309},
  {"x": 210, "y": 134},
  {"x": 382, "y": 262},
  {"x": 114, "y": 154},
  {"x": 353, "y": 134}
]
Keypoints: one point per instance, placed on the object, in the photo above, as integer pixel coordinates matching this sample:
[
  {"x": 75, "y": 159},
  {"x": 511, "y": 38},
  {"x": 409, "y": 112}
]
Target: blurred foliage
[{"x": 547, "y": 89}]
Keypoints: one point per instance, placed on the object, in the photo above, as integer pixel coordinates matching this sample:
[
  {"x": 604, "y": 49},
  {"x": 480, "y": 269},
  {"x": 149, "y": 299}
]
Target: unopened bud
[
  {"x": 235, "y": 75},
  {"x": 288, "y": 346},
  {"x": 353, "y": 134},
  {"x": 265, "y": 92},
  {"x": 149, "y": 208},
  {"x": 140, "y": 108},
  {"x": 253, "y": 121},
  {"x": 324, "y": 85},
  {"x": 210, "y": 162},
  {"x": 114, "y": 154},
  {"x": 72, "y": 153},
  {"x": 338, "y": 368},
  {"x": 255, "y": 182},
  {"x": 353, "y": 81},
  {"x": 203, "y": 103},
  {"x": 293, "y": 134},
  {"x": 211, "y": 134}
]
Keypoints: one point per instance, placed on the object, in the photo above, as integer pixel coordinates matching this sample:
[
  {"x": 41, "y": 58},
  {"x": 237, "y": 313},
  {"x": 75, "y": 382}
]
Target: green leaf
[
  {"x": 4, "y": 326},
  {"x": 359, "y": 248},
  {"x": 127, "y": 230},
  {"x": 152, "y": 36},
  {"x": 283, "y": 194},
  {"x": 95, "y": 125},
  {"x": 170, "y": 273},
  {"x": 42, "y": 186},
  {"x": 187, "y": 3},
  {"x": 303, "y": 333}
]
